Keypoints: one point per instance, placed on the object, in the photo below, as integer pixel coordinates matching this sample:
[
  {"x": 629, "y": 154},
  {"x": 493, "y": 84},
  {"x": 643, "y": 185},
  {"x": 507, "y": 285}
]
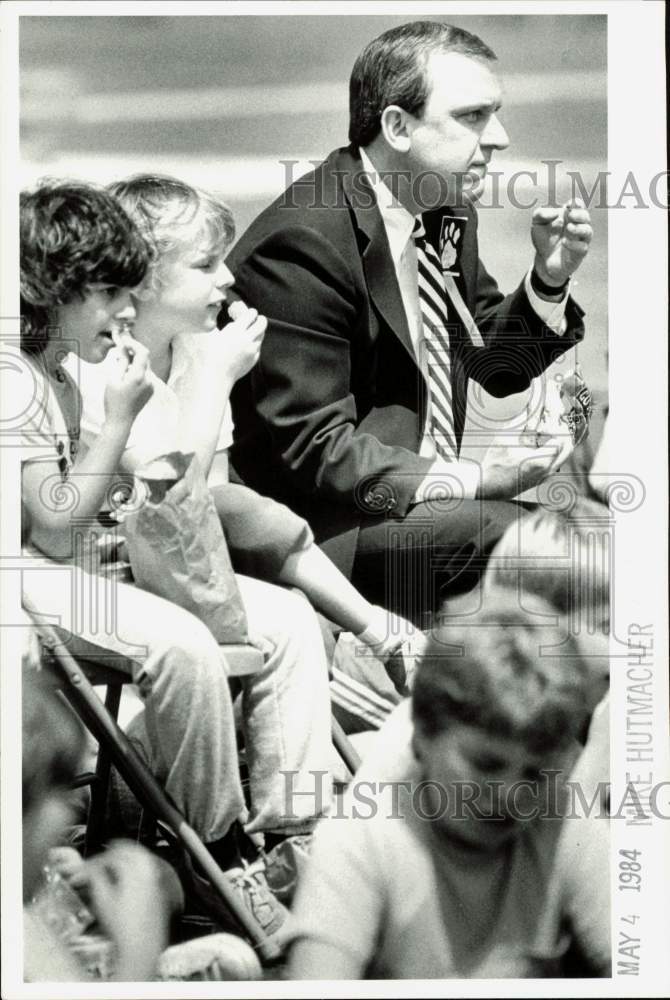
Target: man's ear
[
  {"x": 396, "y": 128},
  {"x": 416, "y": 743}
]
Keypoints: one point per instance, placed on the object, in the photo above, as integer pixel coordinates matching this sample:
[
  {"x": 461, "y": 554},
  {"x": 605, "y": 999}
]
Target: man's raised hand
[{"x": 561, "y": 237}]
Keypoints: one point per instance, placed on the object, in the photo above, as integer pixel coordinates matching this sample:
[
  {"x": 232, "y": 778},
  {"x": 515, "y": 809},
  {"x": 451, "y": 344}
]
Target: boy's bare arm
[{"x": 126, "y": 393}]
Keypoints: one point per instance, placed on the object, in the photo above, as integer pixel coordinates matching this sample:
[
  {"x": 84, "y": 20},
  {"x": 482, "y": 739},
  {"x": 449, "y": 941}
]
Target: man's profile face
[{"x": 453, "y": 140}]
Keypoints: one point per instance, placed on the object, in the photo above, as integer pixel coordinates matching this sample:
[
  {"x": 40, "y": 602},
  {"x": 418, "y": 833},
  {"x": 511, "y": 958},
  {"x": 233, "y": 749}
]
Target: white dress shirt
[{"x": 463, "y": 475}]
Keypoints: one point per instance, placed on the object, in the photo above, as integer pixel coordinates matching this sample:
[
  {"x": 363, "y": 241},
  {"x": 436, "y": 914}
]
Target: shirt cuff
[
  {"x": 447, "y": 480},
  {"x": 552, "y": 314}
]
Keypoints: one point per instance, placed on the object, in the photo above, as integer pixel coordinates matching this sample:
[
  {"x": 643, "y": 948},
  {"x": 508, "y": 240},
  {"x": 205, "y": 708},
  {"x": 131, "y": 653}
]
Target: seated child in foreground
[
  {"x": 446, "y": 872},
  {"x": 127, "y": 908}
]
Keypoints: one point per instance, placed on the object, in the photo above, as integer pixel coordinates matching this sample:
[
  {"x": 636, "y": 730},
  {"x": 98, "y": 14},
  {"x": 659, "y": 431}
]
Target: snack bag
[{"x": 177, "y": 548}]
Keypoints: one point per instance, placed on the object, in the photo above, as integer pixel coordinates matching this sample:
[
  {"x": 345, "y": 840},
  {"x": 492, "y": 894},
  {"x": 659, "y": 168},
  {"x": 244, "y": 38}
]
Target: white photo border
[{"x": 638, "y": 337}]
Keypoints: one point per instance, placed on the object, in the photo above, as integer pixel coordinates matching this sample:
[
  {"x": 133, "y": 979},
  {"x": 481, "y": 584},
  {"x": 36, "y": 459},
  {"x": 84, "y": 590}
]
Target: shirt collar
[{"x": 398, "y": 222}]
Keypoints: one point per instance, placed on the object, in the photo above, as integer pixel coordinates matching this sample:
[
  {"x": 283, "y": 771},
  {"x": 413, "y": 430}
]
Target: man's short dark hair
[
  {"x": 506, "y": 672},
  {"x": 392, "y": 70},
  {"x": 73, "y": 235}
]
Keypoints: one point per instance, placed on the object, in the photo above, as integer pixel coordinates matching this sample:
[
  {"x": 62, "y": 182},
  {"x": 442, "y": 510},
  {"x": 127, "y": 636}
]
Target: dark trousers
[{"x": 438, "y": 550}]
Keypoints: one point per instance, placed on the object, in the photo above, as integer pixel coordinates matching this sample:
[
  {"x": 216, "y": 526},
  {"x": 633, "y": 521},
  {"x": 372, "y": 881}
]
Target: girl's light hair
[
  {"x": 563, "y": 557},
  {"x": 169, "y": 213}
]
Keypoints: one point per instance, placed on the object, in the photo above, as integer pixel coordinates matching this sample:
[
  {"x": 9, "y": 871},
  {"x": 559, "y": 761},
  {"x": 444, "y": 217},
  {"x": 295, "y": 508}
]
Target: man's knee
[{"x": 475, "y": 525}]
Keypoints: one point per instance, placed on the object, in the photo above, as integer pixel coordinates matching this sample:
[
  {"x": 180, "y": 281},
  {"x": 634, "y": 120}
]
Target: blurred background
[{"x": 222, "y": 101}]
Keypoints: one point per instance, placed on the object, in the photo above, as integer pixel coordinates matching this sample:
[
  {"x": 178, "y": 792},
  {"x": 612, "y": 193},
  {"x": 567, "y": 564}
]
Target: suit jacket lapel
[
  {"x": 468, "y": 259},
  {"x": 377, "y": 263}
]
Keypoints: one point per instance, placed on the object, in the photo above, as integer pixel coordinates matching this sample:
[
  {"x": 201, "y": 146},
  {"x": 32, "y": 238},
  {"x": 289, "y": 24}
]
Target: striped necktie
[{"x": 434, "y": 314}]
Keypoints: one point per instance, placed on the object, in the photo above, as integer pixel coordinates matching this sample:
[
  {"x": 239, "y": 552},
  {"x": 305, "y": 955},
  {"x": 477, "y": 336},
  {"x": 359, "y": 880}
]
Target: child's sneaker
[
  {"x": 247, "y": 882},
  {"x": 250, "y": 883},
  {"x": 284, "y": 866}
]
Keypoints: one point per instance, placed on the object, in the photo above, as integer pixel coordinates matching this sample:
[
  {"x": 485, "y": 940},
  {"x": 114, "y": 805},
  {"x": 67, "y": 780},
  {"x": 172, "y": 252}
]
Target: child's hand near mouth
[
  {"x": 123, "y": 340},
  {"x": 234, "y": 350},
  {"x": 129, "y": 388},
  {"x": 244, "y": 337}
]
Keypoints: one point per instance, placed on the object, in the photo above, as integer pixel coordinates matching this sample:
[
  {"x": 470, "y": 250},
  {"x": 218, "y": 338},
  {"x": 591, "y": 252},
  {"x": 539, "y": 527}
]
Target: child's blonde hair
[
  {"x": 563, "y": 557},
  {"x": 169, "y": 212}
]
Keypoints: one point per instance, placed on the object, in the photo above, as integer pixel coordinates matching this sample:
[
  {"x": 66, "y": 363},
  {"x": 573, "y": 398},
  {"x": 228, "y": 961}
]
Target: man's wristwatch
[{"x": 542, "y": 288}]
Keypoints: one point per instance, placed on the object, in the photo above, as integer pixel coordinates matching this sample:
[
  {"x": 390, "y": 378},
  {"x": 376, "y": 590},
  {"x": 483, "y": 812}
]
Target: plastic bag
[{"x": 177, "y": 548}]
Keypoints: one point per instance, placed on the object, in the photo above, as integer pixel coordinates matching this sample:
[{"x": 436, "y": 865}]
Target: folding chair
[
  {"x": 75, "y": 679},
  {"x": 99, "y": 719},
  {"x": 344, "y": 746}
]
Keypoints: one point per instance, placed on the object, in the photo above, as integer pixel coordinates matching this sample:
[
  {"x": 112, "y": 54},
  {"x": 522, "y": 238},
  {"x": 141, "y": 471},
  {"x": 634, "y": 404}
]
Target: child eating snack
[{"x": 193, "y": 369}]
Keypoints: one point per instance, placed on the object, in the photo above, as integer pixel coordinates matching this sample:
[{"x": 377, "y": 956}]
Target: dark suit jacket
[{"x": 330, "y": 420}]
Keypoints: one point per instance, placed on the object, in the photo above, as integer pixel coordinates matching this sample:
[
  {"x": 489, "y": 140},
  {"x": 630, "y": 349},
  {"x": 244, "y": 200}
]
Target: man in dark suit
[{"x": 355, "y": 413}]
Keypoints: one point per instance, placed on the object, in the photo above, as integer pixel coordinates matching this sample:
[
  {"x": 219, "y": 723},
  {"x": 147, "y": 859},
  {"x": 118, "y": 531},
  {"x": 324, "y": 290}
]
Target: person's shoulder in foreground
[{"x": 447, "y": 872}]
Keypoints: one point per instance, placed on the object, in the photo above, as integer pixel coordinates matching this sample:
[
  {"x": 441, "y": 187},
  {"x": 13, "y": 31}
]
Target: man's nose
[
  {"x": 224, "y": 276},
  {"x": 494, "y": 135}
]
